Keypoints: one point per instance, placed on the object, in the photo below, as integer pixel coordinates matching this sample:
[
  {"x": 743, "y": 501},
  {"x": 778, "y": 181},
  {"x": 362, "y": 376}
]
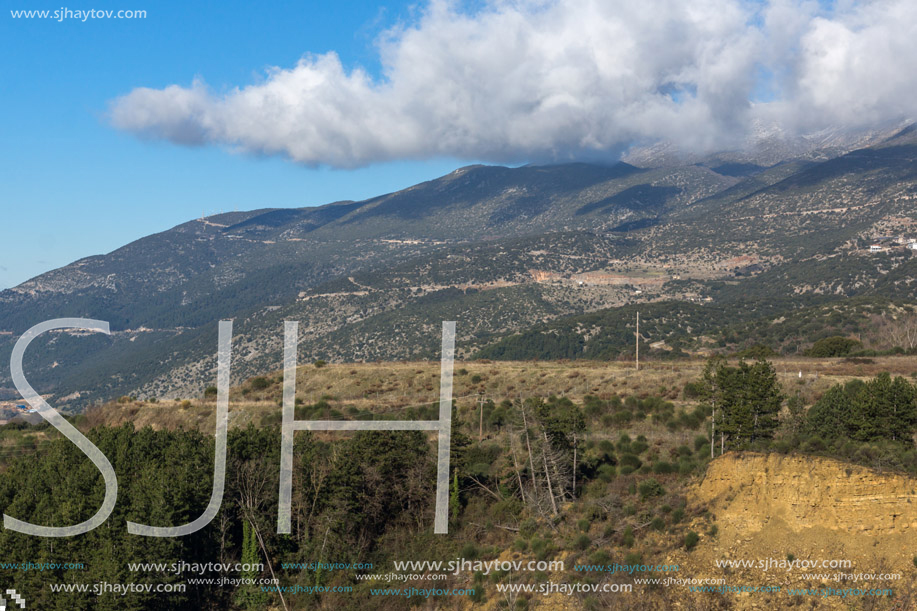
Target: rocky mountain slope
[{"x": 497, "y": 249}]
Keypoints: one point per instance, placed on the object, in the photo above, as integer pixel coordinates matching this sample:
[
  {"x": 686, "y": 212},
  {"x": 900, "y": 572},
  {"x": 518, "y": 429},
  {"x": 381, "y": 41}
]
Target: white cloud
[
  {"x": 537, "y": 80},
  {"x": 856, "y": 70}
]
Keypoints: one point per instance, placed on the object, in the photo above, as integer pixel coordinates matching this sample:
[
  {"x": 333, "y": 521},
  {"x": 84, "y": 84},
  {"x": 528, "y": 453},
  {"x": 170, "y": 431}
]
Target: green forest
[{"x": 547, "y": 476}]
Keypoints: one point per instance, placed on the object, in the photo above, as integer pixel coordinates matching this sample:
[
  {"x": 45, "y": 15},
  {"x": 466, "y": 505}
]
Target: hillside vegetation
[{"x": 585, "y": 462}]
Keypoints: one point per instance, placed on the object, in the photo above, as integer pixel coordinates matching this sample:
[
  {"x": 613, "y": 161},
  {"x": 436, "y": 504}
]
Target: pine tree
[
  {"x": 454, "y": 504},
  {"x": 250, "y": 595},
  {"x": 712, "y": 392},
  {"x": 750, "y": 402},
  {"x": 881, "y": 409}
]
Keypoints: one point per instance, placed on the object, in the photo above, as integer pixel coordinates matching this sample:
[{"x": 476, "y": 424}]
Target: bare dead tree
[
  {"x": 547, "y": 476},
  {"x": 225, "y": 525},
  {"x": 575, "y": 440},
  {"x": 528, "y": 443},
  {"x": 510, "y": 594},
  {"x": 483, "y": 487},
  {"x": 903, "y": 331},
  {"x": 254, "y": 486},
  {"x": 512, "y": 446}
]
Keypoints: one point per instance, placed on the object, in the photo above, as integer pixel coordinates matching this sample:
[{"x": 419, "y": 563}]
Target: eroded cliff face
[
  {"x": 803, "y": 492},
  {"x": 775, "y": 509}
]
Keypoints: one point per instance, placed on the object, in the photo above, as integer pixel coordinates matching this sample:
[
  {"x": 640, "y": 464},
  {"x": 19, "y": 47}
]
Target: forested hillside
[{"x": 585, "y": 465}]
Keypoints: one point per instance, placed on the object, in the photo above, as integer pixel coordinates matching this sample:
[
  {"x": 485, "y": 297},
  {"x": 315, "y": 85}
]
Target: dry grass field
[{"x": 396, "y": 387}]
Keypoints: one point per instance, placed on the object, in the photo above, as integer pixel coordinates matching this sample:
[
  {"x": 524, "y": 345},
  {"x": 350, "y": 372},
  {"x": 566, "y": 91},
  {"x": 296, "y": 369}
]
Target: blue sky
[
  {"x": 117, "y": 128},
  {"x": 73, "y": 186}
]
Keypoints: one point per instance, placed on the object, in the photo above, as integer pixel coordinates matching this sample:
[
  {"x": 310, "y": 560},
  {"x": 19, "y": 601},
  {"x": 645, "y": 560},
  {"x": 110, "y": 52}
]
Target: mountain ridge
[{"x": 501, "y": 249}]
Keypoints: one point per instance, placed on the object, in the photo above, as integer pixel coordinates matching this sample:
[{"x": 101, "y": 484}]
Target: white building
[
  {"x": 912, "y": 245},
  {"x": 875, "y": 248}
]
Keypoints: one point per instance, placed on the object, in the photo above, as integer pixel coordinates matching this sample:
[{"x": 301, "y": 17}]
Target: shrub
[
  {"x": 690, "y": 421},
  {"x": 815, "y": 444},
  {"x": 757, "y": 351},
  {"x": 210, "y": 391},
  {"x": 506, "y": 510},
  {"x": 541, "y": 548},
  {"x": 833, "y": 346},
  {"x": 693, "y": 390},
  {"x": 639, "y": 447},
  {"x": 691, "y": 540},
  {"x": 477, "y": 592},
  {"x": 650, "y": 487},
  {"x": 599, "y": 557},
  {"x": 319, "y": 363},
  {"x": 632, "y": 461},
  {"x": 260, "y": 383},
  {"x": 469, "y": 551},
  {"x": 606, "y": 473},
  {"x": 582, "y": 542}
]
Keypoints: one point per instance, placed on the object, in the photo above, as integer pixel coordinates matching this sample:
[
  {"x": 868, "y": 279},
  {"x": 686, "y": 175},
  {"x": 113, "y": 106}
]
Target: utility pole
[
  {"x": 481, "y": 420},
  {"x": 638, "y": 341},
  {"x": 713, "y": 428}
]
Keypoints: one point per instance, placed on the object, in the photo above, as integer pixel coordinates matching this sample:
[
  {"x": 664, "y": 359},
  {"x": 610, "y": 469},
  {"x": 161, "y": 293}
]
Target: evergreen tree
[
  {"x": 249, "y": 595},
  {"x": 712, "y": 392},
  {"x": 833, "y": 415},
  {"x": 750, "y": 401},
  {"x": 881, "y": 409},
  {"x": 454, "y": 504}
]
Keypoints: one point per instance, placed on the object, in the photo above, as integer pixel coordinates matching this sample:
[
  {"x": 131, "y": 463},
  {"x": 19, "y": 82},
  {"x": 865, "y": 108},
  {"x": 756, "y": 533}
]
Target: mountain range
[{"x": 698, "y": 243}]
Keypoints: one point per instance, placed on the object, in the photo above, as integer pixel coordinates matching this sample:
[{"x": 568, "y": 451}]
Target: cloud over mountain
[{"x": 537, "y": 80}]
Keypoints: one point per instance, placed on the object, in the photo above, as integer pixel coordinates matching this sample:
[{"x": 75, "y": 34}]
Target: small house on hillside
[
  {"x": 912, "y": 245},
  {"x": 875, "y": 248}
]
